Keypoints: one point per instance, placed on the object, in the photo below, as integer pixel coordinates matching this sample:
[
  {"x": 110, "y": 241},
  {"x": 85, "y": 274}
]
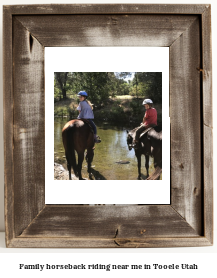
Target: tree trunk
[{"x": 64, "y": 93}]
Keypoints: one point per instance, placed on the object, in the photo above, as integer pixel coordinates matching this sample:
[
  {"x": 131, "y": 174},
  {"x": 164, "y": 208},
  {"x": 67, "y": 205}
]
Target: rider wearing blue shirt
[{"x": 86, "y": 112}]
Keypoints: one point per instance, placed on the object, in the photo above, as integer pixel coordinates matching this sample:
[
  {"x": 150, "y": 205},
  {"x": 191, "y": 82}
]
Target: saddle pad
[
  {"x": 145, "y": 131},
  {"x": 88, "y": 123}
]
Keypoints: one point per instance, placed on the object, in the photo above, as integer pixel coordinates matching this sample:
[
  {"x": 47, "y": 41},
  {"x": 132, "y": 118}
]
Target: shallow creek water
[{"x": 112, "y": 149}]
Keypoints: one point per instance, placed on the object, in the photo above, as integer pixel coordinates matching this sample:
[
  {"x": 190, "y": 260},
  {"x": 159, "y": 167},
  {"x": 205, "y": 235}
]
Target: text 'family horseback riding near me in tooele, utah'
[{"x": 107, "y": 125}]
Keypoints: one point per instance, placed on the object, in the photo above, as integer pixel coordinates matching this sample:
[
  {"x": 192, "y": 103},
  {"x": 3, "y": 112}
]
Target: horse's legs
[
  {"x": 147, "y": 164},
  {"x": 69, "y": 167},
  {"x": 89, "y": 158},
  {"x": 80, "y": 161},
  {"x": 139, "y": 165}
]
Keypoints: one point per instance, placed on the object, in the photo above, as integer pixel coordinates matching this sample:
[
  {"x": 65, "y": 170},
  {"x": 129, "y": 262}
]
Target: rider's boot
[{"x": 97, "y": 138}]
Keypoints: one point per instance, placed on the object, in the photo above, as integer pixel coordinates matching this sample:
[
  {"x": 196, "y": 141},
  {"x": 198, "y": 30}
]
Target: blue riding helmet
[{"x": 82, "y": 93}]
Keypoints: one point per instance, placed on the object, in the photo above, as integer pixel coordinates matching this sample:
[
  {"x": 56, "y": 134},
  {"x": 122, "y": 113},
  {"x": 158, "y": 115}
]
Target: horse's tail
[{"x": 68, "y": 142}]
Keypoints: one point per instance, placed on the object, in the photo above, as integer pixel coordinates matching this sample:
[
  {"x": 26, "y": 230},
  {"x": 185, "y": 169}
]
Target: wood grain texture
[
  {"x": 207, "y": 67},
  {"x": 185, "y": 113},
  {"x": 8, "y": 125},
  {"x": 107, "y": 30},
  {"x": 207, "y": 122},
  {"x": 106, "y": 9},
  {"x": 29, "y": 138},
  {"x": 109, "y": 222},
  {"x": 186, "y": 30},
  {"x": 34, "y": 242},
  {"x": 208, "y": 182}
]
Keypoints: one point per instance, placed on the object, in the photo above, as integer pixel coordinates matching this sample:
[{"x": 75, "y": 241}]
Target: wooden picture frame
[{"x": 186, "y": 30}]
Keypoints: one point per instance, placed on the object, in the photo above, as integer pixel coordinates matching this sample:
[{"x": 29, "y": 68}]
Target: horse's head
[{"x": 129, "y": 140}]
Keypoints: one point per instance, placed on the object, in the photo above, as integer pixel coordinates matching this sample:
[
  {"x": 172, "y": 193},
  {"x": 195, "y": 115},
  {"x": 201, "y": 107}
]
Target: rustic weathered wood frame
[{"x": 186, "y": 29}]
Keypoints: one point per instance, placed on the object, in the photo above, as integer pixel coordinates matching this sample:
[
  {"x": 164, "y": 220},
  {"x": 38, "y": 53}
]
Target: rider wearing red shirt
[
  {"x": 149, "y": 120},
  {"x": 150, "y": 117}
]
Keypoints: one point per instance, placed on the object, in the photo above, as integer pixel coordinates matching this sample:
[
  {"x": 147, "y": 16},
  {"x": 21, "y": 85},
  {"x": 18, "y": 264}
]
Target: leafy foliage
[
  {"x": 60, "y": 82},
  {"x": 146, "y": 84},
  {"x": 102, "y": 85},
  {"x": 150, "y": 85}
]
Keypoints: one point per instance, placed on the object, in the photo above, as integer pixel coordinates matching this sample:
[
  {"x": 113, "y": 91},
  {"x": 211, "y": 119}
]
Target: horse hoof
[{"x": 139, "y": 178}]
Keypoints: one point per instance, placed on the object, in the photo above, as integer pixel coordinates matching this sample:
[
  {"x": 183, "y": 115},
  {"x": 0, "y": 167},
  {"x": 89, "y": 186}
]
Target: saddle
[
  {"x": 145, "y": 131},
  {"x": 86, "y": 121}
]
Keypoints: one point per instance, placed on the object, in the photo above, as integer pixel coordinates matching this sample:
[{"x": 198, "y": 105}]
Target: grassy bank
[{"x": 121, "y": 109}]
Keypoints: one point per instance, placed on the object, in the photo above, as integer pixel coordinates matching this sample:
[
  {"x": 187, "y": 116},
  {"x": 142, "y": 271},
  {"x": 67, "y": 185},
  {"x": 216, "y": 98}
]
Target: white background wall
[{"x": 214, "y": 31}]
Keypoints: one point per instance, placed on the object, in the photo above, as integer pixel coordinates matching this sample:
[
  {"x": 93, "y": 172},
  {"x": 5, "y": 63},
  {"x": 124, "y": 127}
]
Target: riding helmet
[
  {"x": 82, "y": 93},
  {"x": 147, "y": 101}
]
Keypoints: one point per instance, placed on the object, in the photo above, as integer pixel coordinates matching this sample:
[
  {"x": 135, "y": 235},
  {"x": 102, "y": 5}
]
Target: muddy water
[{"x": 112, "y": 149}]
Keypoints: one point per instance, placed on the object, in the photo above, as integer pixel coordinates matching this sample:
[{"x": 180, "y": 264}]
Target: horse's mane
[{"x": 133, "y": 131}]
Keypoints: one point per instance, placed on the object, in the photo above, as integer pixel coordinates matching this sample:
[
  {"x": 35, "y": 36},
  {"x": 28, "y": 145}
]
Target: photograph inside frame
[
  {"x": 107, "y": 125},
  {"x": 103, "y": 94}
]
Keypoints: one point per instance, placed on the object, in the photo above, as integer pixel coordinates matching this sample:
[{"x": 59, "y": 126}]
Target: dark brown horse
[
  {"x": 77, "y": 136},
  {"x": 149, "y": 144}
]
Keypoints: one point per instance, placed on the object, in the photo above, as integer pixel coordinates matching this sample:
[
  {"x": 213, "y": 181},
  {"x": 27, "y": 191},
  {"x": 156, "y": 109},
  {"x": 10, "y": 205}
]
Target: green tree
[
  {"x": 151, "y": 85},
  {"x": 61, "y": 79}
]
